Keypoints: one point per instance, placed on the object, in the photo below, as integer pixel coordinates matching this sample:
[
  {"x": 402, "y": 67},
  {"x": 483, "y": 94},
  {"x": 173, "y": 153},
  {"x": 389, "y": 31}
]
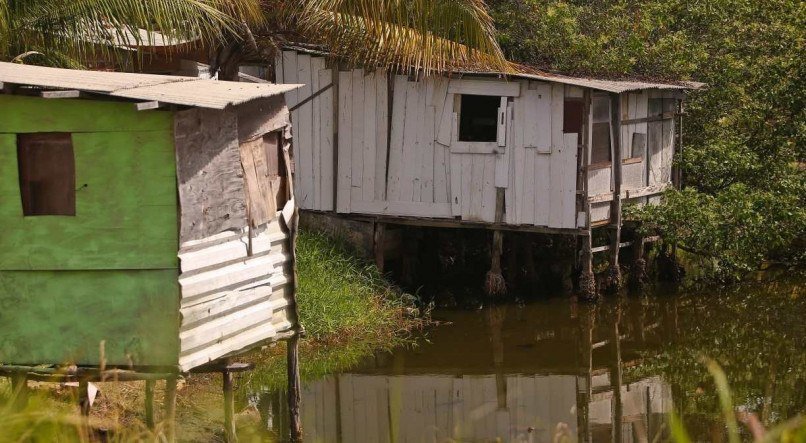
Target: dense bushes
[{"x": 745, "y": 135}]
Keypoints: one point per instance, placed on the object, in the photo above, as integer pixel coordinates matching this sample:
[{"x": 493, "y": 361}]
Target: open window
[
  {"x": 478, "y": 118},
  {"x": 47, "y": 173},
  {"x": 600, "y": 131}
]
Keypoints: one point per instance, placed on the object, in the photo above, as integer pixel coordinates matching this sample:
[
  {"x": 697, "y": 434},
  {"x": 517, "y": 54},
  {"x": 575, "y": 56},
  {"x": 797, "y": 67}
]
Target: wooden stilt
[
  {"x": 229, "y": 407},
  {"x": 84, "y": 398},
  {"x": 20, "y": 393},
  {"x": 170, "y": 409},
  {"x": 292, "y": 365},
  {"x": 638, "y": 274},
  {"x": 149, "y": 404},
  {"x": 587, "y": 281},
  {"x": 378, "y": 244},
  {"x": 495, "y": 283},
  {"x": 614, "y": 277}
]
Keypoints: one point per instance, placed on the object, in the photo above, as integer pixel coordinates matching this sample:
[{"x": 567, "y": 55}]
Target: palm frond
[
  {"x": 82, "y": 27},
  {"x": 427, "y": 35}
]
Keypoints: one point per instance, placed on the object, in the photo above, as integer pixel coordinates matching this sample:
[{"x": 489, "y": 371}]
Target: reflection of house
[{"x": 422, "y": 408}]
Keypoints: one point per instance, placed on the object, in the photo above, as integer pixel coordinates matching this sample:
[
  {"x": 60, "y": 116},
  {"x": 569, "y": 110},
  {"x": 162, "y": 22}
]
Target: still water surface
[{"x": 538, "y": 371}]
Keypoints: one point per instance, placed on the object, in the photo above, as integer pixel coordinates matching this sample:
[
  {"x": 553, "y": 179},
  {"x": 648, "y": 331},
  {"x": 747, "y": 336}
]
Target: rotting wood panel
[
  {"x": 233, "y": 297},
  {"x": 211, "y": 185}
]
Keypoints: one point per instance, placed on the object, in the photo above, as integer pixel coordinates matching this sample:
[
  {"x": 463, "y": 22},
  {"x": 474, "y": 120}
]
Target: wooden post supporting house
[
  {"x": 495, "y": 283},
  {"x": 614, "y": 274},
  {"x": 587, "y": 281},
  {"x": 616, "y": 377}
]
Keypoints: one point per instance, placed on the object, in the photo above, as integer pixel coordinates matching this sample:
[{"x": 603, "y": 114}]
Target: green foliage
[
  {"x": 744, "y": 136},
  {"x": 348, "y": 309}
]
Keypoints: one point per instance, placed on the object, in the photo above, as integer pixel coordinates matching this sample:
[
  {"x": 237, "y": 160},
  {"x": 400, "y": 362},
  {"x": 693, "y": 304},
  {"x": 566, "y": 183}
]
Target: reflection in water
[{"x": 544, "y": 371}]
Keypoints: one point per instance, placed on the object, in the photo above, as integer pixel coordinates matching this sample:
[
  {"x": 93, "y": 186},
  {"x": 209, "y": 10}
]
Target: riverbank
[{"x": 348, "y": 309}]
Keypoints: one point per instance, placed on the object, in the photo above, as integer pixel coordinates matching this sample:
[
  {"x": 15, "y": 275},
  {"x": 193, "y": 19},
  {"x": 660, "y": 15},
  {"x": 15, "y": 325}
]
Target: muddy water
[{"x": 533, "y": 372}]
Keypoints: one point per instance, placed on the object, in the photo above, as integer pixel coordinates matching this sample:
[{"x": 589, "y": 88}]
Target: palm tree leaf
[
  {"x": 69, "y": 25},
  {"x": 428, "y": 35}
]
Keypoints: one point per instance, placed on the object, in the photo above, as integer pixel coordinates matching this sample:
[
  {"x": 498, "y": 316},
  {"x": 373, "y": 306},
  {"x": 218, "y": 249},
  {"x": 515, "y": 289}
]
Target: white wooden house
[{"x": 391, "y": 145}]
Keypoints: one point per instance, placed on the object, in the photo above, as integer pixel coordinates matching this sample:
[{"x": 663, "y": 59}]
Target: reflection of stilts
[
  {"x": 584, "y": 382},
  {"x": 496, "y": 315},
  {"x": 616, "y": 378}
]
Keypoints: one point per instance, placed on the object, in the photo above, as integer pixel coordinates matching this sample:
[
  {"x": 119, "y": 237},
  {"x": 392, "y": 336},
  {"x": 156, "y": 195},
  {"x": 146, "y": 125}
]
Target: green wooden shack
[{"x": 146, "y": 220}]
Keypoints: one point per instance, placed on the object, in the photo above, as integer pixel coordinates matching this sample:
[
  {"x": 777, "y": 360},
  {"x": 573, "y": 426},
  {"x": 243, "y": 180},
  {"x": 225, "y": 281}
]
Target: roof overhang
[{"x": 176, "y": 90}]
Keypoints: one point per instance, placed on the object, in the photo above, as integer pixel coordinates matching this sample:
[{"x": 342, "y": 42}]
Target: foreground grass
[{"x": 348, "y": 309}]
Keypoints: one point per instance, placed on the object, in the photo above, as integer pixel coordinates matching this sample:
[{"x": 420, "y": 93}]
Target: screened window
[
  {"x": 478, "y": 118},
  {"x": 600, "y": 133},
  {"x": 47, "y": 173}
]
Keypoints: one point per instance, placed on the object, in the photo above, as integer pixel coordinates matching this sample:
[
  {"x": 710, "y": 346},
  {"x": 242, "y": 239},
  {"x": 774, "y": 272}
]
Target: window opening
[
  {"x": 47, "y": 173},
  {"x": 572, "y": 116},
  {"x": 478, "y": 119},
  {"x": 600, "y": 133}
]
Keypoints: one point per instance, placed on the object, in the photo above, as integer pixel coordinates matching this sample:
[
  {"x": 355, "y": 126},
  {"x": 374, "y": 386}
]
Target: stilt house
[
  {"x": 548, "y": 151},
  {"x": 146, "y": 219}
]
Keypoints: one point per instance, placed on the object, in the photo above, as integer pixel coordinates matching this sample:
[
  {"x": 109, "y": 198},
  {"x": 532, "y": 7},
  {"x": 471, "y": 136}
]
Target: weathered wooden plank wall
[
  {"x": 412, "y": 164},
  {"x": 313, "y": 128},
  {"x": 234, "y": 282},
  {"x": 232, "y": 298}
]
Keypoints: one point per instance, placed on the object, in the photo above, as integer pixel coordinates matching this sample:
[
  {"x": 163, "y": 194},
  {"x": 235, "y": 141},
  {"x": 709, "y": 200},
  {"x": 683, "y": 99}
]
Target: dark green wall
[{"x": 110, "y": 272}]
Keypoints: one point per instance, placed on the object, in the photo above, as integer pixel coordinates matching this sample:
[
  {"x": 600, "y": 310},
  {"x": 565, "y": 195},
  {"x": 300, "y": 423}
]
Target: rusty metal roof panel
[{"x": 188, "y": 91}]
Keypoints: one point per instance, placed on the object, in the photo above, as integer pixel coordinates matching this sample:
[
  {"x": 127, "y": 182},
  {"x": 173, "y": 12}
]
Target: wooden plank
[
  {"x": 455, "y": 175},
  {"x": 413, "y": 101},
  {"x": 520, "y": 164},
  {"x": 467, "y": 183},
  {"x": 396, "y": 139},
  {"x": 145, "y": 106},
  {"x": 345, "y": 142},
  {"x": 261, "y": 201},
  {"x": 317, "y": 64},
  {"x": 557, "y": 194},
  {"x": 326, "y": 147},
  {"x": 419, "y": 166},
  {"x": 538, "y": 118},
  {"x": 488, "y": 190},
  {"x": 476, "y": 187},
  {"x": 569, "y": 155},
  {"x": 544, "y": 187},
  {"x": 370, "y": 138},
  {"x": 530, "y": 182},
  {"x": 404, "y": 208},
  {"x": 75, "y": 94},
  {"x": 502, "y": 160},
  {"x": 278, "y": 69},
  {"x": 303, "y": 137},
  {"x": 510, "y": 215},
  {"x": 357, "y": 146},
  {"x": 445, "y": 132},
  {"x": 382, "y": 134},
  {"x": 290, "y": 76},
  {"x": 501, "y": 133},
  {"x": 428, "y": 160},
  {"x": 496, "y": 87}
]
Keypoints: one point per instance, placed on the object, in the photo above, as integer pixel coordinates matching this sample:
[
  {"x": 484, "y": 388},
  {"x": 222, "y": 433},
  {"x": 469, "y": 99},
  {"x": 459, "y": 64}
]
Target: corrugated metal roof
[
  {"x": 528, "y": 72},
  {"x": 188, "y": 91},
  {"x": 617, "y": 86}
]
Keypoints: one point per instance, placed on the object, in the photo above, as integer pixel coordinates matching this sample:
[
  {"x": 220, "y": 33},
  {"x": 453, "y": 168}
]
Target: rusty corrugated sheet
[{"x": 188, "y": 91}]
